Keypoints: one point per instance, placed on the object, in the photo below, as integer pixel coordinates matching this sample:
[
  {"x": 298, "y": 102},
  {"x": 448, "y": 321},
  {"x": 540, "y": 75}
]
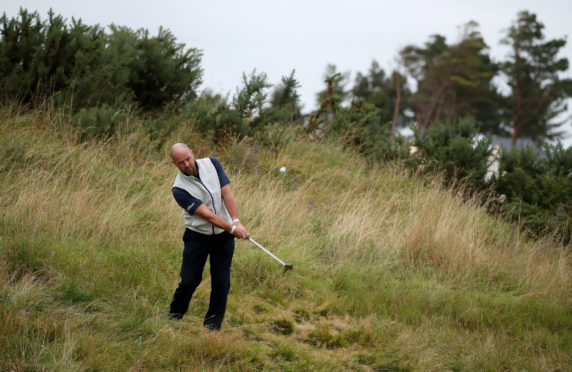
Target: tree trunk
[
  {"x": 514, "y": 135},
  {"x": 516, "y": 115},
  {"x": 515, "y": 126},
  {"x": 419, "y": 126},
  {"x": 517, "y": 109},
  {"x": 435, "y": 99},
  {"x": 397, "y": 79}
]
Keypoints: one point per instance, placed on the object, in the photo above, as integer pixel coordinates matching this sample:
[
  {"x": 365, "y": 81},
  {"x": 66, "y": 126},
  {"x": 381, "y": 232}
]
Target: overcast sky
[{"x": 276, "y": 36}]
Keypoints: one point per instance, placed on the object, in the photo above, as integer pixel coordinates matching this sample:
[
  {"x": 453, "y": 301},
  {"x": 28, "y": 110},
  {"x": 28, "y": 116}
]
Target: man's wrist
[
  {"x": 233, "y": 228},
  {"x": 235, "y": 221}
]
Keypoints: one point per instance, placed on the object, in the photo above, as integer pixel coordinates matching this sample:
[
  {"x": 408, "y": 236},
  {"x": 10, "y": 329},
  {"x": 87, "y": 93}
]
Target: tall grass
[{"x": 391, "y": 272}]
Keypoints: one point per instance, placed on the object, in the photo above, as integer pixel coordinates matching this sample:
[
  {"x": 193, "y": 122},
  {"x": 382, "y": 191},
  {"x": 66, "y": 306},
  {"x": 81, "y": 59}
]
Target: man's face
[{"x": 184, "y": 159}]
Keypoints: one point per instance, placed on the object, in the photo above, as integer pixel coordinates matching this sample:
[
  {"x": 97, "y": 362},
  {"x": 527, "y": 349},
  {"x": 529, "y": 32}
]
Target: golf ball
[{"x": 283, "y": 170}]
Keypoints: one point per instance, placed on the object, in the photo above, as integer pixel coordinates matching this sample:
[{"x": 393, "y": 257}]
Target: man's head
[{"x": 183, "y": 158}]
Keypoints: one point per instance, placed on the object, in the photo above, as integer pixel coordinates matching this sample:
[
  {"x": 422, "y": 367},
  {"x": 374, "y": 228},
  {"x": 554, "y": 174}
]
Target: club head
[{"x": 288, "y": 267}]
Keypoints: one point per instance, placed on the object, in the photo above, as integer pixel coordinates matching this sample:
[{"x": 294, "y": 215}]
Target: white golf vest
[{"x": 207, "y": 189}]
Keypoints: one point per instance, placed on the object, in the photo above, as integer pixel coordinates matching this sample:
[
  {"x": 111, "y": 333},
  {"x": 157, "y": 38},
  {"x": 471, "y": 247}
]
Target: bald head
[
  {"x": 184, "y": 159},
  {"x": 179, "y": 147}
]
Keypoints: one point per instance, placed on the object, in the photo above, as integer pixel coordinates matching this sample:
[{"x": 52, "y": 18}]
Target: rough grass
[{"x": 391, "y": 272}]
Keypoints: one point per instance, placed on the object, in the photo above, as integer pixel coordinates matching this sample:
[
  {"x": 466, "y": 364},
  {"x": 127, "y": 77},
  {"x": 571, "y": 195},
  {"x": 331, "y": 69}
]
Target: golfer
[{"x": 202, "y": 189}]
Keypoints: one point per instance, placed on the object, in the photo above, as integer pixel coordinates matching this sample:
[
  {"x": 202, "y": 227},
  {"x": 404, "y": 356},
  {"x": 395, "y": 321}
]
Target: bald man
[{"x": 202, "y": 189}]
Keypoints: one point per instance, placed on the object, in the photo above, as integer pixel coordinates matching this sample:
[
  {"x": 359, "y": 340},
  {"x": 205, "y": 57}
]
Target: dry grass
[{"x": 392, "y": 272}]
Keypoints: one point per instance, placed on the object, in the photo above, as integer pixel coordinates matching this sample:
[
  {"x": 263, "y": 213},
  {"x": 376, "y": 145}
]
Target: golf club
[{"x": 286, "y": 266}]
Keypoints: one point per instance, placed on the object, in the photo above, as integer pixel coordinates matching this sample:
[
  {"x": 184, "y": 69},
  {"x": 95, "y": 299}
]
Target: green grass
[{"x": 391, "y": 272}]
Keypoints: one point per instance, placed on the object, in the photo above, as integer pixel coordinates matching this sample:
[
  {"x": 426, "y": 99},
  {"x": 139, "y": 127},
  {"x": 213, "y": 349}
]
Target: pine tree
[
  {"x": 285, "y": 101},
  {"x": 249, "y": 100},
  {"x": 81, "y": 66},
  {"x": 21, "y": 42},
  {"x": 454, "y": 81},
  {"x": 390, "y": 94},
  {"x": 538, "y": 94},
  {"x": 164, "y": 71},
  {"x": 335, "y": 92}
]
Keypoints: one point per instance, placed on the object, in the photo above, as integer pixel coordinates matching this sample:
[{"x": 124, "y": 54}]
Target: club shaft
[{"x": 267, "y": 251}]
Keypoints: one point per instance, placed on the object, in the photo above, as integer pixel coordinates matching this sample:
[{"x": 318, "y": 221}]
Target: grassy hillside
[{"x": 391, "y": 273}]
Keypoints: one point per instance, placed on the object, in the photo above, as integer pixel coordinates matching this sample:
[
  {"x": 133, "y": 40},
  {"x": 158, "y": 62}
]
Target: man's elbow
[{"x": 227, "y": 196}]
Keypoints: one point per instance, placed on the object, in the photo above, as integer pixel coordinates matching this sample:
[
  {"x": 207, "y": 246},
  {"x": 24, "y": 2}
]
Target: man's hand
[{"x": 240, "y": 231}]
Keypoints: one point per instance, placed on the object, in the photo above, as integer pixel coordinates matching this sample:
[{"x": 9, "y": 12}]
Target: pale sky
[{"x": 276, "y": 36}]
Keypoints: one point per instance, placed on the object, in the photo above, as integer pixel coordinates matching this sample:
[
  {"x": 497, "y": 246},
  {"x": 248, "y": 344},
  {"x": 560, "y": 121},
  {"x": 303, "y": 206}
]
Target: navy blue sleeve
[
  {"x": 186, "y": 200},
  {"x": 222, "y": 177}
]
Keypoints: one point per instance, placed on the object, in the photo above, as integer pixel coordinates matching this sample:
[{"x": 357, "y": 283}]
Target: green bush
[
  {"x": 457, "y": 151},
  {"x": 276, "y": 136},
  {"x": 538, "y": 186},
  {"x": 82, "y": 66},
  {"x": 358, "y": 126},
  {"x": 98, "y": 122}
]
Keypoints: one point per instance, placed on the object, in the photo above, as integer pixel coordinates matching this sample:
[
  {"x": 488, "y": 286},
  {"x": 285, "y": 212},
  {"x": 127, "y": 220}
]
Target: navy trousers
[{"x": 220, "y": 249}]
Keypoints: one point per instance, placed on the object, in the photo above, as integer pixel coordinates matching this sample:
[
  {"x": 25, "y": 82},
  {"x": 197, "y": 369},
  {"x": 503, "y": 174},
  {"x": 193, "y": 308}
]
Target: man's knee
[
  {"x": 189, "y": 284},
  {"x": 221, "y": 284}
]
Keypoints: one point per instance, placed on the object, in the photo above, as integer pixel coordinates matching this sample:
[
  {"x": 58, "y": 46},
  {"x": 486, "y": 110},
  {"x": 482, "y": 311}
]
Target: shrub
[
  {"x": 536, "y": 185},
  {"x": 457, "y": 151},
  {"x": 538, "y": 188},
  {"x": 98, "y": 122},
  {"x": 82, "y": 66}
]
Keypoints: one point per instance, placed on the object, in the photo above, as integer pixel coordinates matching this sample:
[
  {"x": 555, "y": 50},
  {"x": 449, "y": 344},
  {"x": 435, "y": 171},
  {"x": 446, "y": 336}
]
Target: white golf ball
[{"x": 283, "y": 170}]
